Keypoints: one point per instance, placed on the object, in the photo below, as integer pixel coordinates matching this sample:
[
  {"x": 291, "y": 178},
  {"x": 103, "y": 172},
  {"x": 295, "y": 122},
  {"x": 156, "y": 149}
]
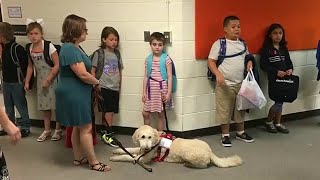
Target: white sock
[
  {"x": 269, "y": 122},
  {"x": 278, "y": 125},
  {"x": 224, "y": 135},
  {"x": 240, "y": 132}
]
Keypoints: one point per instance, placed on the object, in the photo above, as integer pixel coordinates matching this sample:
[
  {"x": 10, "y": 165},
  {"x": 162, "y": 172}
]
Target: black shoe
[
  {"x": 245, "y": 137},
  {"x": 225, "y": 141},
  {"x": 270, "y": 128},
  {"x": 282, "y": 129},
  {"x": 3, "y": 133},
  {"x": 25, "y": 132}
]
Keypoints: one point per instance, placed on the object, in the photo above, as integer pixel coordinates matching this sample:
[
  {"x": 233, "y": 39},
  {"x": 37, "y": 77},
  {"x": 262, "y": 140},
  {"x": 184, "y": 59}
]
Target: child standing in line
[
  {"x": 14, "y": 68},
  {"x": 155, "y": 89},
  {"x": 275, "y": 60},
  {"x": 107, "y": 67},
  {"x": 46, "y": 78},
  {"x": 229, "y": 76}
]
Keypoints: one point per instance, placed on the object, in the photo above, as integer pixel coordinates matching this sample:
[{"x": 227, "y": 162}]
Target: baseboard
[{"x": 200, "y": 132}]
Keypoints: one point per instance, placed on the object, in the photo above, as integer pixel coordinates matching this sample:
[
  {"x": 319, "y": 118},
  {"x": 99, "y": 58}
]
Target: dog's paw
[
  {"x": 113, "y": 158},
  {"x": 118, "y": 151}
]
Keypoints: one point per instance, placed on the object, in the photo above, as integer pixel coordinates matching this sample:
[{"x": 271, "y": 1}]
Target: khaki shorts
[{"x": 226, "y": 104}]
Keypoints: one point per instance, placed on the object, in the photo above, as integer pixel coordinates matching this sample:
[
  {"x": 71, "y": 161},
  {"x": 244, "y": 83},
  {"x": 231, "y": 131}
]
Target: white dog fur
[{"x": 192, "y": 152}]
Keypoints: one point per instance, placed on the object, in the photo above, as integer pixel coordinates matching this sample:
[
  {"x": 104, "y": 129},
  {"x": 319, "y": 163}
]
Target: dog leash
[
  {"x": 97, "y": 97},
  {"x": 164, "y": 110}
]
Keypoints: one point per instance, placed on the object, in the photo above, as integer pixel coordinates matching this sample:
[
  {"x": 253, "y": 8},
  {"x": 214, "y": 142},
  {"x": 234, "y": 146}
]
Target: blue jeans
[{"x": 14, "y": 95}]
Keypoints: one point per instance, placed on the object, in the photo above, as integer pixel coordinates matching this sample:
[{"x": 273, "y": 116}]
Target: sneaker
[
  {"x": 270, "y": 128},
  {"x": 282, "y": 129},
  {"x": 3, "y": 133},
  {"x": 225, "y": 141},
  {"x": 25, "y": 132},
  {"x": 108, "y": 140},
  {"x": 102, "y": 132},
  {"x": 245, "y": 137}
]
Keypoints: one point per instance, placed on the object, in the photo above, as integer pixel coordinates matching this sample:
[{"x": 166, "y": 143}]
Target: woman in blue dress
[{"x": 73, "y": 92}]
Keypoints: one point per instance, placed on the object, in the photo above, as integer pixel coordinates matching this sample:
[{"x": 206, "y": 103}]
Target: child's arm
[
  {"x": 94, "y": 64},
  {"x": 9, "y": 127},
  {"x": 93, "y": 71},
  {"x": 145, "y": 80},
  {"x": 214, "y": 69},
  {"x": 120, "y": 74},
  {"x": 212, "y": 62},
  {"x": 169, "y": 74},
  {"x": 288, "y": 62},
  {"x": 54, "y": 70},
  {"x": 28, "y": 75},
  {"x": 265, "y": 64}
]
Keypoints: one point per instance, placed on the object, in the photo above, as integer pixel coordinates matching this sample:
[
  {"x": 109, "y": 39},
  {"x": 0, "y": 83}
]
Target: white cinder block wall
[{"x": 195, "y": 98}]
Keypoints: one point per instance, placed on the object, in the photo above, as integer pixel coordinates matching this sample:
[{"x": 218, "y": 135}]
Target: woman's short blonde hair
[
  {"x": 72, "y": 28},
  {"x": 6, "y": 31}
]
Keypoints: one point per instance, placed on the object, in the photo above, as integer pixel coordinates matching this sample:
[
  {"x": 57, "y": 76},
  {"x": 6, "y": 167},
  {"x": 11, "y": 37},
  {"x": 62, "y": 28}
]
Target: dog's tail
[{"x": 226, "y": 162}]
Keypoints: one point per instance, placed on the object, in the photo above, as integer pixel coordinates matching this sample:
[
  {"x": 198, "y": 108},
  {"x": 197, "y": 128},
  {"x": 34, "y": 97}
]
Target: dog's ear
[
  {"x": 135, "y": 137},
  {"x": 156, "y": 135}
]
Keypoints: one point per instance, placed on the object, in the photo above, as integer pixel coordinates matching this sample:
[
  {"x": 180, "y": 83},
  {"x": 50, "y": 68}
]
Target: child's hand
[
  {"x": 281, "y": 74},
  {"x": 220, "y": 79},
  {"x": 144, "y": 97},
  {"x": 249, "y": 66},
  {"x": 289, "y": 72},
  {"x": 45, "y": 83},
  {"x": 26, "y": 87},
  {"x": 166, "y": 98},
  {"x": 14, "y": 132}
]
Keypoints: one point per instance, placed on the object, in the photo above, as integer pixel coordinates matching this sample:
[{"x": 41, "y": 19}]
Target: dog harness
[{"x": 158, "y": 158}]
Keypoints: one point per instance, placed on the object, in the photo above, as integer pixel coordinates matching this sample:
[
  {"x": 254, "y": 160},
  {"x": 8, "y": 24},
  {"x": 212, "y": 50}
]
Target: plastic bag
[{"x": 250, "y": 95}]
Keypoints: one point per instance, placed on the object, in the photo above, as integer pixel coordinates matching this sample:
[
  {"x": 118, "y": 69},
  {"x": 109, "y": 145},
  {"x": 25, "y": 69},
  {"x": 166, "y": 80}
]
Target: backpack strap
[
  {"x": 16, "y": 61},
  {"x": 223, "y": 50},
  {"x": 163, "y": 67},
  {"x": 28, "y": 51},
  {"x": 117, "y": 52},
  {"x": 100, "y": 63},
  {"x": 46, "y": 53}
]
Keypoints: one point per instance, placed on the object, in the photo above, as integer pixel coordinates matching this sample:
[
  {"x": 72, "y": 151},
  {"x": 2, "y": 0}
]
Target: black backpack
[
  {"x": 46, "y": 53},
  {"x": 101, "y": 60}
]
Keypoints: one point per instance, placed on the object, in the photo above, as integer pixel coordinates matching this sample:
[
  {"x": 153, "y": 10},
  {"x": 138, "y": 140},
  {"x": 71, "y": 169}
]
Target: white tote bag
[{"x": 250, "y": 95}]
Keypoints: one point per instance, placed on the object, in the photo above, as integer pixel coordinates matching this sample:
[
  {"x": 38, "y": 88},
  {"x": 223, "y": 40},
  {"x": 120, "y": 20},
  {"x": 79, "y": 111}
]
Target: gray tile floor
[{"x": 270, "y": 157}]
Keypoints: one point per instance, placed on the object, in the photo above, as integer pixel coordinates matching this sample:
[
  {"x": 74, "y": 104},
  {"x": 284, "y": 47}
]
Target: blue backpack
[
  {"x": 222, "y": 55},
  {"x": 163, "y": 70}
]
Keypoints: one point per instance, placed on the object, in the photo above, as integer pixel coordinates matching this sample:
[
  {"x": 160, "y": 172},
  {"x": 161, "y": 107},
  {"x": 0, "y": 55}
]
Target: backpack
[
  {"x": 46, "y": 54},
  {"x": 20, "y": 72},
  {"x": 222, "y": 55},
  {"x": 101, "y": 57},
  {"x": 163, "y": 70}
]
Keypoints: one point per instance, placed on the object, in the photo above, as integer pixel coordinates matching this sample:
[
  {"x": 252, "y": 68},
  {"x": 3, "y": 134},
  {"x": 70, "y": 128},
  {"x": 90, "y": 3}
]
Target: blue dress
[{"x": 73, "y": 96}]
